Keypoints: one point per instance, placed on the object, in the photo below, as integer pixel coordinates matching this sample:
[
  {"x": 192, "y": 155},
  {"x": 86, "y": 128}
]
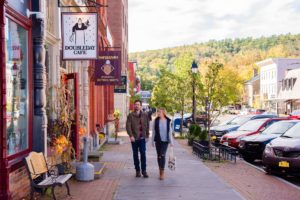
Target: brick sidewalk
[
  {"x": 99, "y": 189},
  {"x": 250, "y": 182},
  {"x": 191, "y": 179}
]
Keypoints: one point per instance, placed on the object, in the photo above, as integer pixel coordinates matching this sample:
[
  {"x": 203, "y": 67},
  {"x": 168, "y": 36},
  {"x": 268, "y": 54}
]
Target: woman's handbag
[{"x": 172, "y": 160}]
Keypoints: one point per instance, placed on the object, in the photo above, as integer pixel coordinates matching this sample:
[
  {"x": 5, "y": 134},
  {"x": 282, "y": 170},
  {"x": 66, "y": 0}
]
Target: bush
[
  {"x": 194, "y": 133},
  {"x": 203, "y": 135},
  {"x": 194, "y": 130}
]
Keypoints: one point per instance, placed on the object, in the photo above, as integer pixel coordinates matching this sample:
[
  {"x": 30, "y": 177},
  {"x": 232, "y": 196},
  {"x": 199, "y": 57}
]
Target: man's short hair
[{"x": 138, "y": 101}]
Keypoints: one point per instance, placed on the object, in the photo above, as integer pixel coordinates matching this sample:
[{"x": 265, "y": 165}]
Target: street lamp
[{"x": 194, "y": 72}]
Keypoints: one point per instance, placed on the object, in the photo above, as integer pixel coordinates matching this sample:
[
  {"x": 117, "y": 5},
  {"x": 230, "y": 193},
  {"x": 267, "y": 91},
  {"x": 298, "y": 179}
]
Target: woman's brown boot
[{"x": 161, "y": 174}]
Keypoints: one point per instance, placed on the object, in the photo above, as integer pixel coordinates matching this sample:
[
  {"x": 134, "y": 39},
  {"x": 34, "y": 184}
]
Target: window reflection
[{"x": 16, "y": 40}]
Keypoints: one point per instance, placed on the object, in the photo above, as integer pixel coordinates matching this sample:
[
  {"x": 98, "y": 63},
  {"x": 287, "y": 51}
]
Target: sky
[{"x": 156, "y": 24}]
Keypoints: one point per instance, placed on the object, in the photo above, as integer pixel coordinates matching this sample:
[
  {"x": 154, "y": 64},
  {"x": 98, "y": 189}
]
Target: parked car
[
  {"x": 251, "y": 127},
  {"x": 233, "y": 124},
  {"x": 295, "y": 114},
  {"x": 233, "y": 110},
  {"x": 252, "y": 147},
  {"x": 257, "y": 111},
  {"x": 283, "y": 153},
  {"x": 200, "y": 119}
]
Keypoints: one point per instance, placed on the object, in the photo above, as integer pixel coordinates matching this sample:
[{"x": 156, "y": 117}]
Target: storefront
[{"x": 16, "y": 94}]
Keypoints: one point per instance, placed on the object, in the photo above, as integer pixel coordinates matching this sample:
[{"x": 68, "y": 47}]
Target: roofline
[{"x": 272, "y": 61}]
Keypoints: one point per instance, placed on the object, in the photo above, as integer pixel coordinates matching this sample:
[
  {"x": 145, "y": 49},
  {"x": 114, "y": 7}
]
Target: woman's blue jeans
[{"x": 161, "y": 149}]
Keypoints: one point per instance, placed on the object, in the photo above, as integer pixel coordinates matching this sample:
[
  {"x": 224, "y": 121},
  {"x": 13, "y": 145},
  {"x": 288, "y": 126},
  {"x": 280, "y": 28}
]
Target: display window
[{"x": 17, "y": 96}]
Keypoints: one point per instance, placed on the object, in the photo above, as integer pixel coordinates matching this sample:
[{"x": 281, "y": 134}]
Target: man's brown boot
[
  {"x": 138, "y": 174},
  {"x": 145, "y": 174}
]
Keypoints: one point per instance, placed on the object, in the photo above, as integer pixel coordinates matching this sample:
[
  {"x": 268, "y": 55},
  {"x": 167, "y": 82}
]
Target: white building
[
  {"x": 289, "y": 96},
  {"x": 272, "y": 71}
]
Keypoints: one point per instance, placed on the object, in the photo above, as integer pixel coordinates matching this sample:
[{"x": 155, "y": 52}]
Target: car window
[
  {"x": 278, "y": 128},
  {"x": 227, "y": 122},
  {"x": 252, "y": 125},
  {"x": 239, "y": 120},
  {"x": 269, "y": 123},
  {"x": 293, "y": 132}
]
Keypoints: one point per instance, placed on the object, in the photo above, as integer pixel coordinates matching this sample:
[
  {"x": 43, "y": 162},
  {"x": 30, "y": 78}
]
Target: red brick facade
[
  {"x": 19, "y": 183},
  {"x": 117, "y": 20},
  {"x": 101, "y": 98}
]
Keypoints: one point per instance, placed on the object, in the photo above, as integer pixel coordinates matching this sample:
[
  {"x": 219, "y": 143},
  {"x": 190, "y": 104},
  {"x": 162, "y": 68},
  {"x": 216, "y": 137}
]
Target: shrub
[
  {"x": 194, "y": 130},
  {"x": 203, "y": 135},
  {"x": 194, "y": 133}
]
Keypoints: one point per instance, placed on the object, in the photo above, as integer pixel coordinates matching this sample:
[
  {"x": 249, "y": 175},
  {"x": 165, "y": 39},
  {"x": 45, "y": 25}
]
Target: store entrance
[{"x": 73, "y": 86}]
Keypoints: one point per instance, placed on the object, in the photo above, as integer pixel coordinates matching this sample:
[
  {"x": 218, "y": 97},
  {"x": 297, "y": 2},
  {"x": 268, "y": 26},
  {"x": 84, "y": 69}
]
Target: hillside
[{"x": 239, "y": 54}]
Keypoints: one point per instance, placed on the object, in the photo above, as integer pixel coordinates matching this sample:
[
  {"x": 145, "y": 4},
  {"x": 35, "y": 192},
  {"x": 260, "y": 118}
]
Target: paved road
[{"x": 191, "y": 180}]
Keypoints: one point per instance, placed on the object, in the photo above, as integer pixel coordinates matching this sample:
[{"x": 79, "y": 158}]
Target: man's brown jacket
[{"x": 133, "y": 124}]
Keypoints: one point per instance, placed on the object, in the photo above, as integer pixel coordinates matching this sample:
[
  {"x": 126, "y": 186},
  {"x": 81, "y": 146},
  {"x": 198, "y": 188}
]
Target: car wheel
[
  {"x": 268, "y": 170},
  {"x": 248, "y": 159}
]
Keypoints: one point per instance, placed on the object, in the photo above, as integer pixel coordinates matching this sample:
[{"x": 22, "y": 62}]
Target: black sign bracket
[{"x": 87, "y": 4}]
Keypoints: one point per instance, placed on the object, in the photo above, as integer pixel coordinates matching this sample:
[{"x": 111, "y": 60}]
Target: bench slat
[{"x": 60, "y": 179}]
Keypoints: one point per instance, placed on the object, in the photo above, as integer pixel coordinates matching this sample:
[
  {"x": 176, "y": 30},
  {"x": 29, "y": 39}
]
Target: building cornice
[{"x": 265, "y": 62}]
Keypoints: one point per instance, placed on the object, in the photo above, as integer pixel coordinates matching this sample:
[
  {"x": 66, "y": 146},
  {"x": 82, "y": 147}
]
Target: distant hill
[{"x": 240, "y": 54}]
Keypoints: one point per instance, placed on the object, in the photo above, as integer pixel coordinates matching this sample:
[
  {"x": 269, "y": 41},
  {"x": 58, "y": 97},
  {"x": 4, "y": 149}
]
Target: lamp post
[{"x": 194, "y": 72}]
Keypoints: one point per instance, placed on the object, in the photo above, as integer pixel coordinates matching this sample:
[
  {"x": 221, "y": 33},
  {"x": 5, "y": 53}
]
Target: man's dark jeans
[
  {"x": 139, "y": 146},
  {"x": 161, "y": 149}
]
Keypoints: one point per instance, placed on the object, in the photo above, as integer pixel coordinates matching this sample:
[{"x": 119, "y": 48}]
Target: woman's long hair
[{"x": 164, "y": 111}]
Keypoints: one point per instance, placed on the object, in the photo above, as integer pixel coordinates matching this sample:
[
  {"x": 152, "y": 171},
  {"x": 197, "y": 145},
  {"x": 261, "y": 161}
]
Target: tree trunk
[{"x": 182, "y": 112}]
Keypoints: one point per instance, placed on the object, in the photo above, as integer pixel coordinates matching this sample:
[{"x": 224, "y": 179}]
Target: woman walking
[{"x": 161, "y": 137}]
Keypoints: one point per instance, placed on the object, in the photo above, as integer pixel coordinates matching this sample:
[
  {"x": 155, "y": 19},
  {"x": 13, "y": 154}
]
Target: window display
[{"x": 16, "y": 43}]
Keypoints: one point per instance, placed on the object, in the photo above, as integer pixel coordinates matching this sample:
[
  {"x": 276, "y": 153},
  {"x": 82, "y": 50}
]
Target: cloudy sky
[{"x": 155, "y": 24}]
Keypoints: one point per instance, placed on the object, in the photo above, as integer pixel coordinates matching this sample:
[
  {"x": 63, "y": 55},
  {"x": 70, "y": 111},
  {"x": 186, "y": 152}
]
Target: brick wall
[{"x": 19, "y": 183}]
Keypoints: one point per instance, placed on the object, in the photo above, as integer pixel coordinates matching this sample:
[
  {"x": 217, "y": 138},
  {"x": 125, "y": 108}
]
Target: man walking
[{"x": 137, "y": 127}]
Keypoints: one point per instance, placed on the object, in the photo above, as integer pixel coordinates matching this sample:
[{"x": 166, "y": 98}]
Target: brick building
[
  {"x": 30, "y": 54},
  {"x": 118, "y": 24}
]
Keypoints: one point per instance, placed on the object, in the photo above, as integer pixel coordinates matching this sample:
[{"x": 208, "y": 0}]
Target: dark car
[
  {"x": 200, "y": 119},
  {"x": 252, "y": 147},
  {"x": 232, "y": 125},
  {"x": 283, "y": 153},
  {"x": 251, "y": 127}
]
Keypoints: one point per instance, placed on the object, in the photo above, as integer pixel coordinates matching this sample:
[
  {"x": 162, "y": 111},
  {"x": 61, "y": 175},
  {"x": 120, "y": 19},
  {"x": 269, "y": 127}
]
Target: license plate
[
  {"x": 213, "y": 137},
  {"x": 225, "y": 143},
  {"x": 284, "y": 164}
]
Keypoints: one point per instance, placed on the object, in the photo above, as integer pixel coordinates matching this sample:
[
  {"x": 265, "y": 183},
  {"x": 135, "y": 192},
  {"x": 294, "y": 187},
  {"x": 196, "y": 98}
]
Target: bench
[{"x": 41, "y": 177}]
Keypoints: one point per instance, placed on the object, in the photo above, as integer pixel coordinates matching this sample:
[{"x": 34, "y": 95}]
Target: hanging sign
[
  {"x": 123, "y": 86},
  {"x": 79, "y": 35},
  {"x": 108, "y": 68}
]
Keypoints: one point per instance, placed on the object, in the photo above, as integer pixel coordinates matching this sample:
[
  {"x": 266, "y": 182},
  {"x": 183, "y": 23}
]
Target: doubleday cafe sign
[{"x": 79, "y": 31}]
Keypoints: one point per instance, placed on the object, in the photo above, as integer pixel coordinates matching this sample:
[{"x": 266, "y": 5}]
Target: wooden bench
[{"x": 42, "y": 177}]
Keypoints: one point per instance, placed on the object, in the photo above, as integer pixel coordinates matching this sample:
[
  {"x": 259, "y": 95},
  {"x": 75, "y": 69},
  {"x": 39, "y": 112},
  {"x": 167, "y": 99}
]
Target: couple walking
[{"x": 137, "y": 127}]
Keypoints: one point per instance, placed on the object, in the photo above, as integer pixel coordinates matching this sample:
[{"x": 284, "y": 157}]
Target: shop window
[
  {"x": 17, "y": 102},
  {"x": 294, "y": 81},
  {"x": 19, "y": 5}
]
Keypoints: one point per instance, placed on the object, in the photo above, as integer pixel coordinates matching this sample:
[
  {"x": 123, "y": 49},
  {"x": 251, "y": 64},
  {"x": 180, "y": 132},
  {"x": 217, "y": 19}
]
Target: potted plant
[
  {"x": 60, "y": 119},
  {"x": 117, "y": 116}
]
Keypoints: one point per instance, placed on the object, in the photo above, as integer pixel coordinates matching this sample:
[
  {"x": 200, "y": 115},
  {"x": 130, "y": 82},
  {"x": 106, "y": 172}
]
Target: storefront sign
[
  {"x": 108, "y": 68},
  {"x": 123, "y": 86},
  {"x": 79, "y": 32}
]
